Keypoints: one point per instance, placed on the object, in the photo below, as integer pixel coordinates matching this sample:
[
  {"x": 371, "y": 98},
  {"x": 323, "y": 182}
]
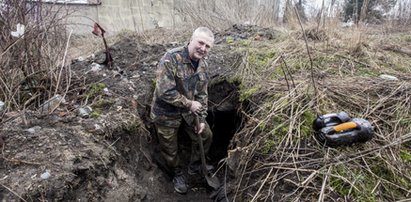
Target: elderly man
[{"x": 181, "y": 95}]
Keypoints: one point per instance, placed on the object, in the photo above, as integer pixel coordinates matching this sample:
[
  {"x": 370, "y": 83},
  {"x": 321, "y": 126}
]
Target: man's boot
[
  {"x": 179, "y": 182},
  {"x": 195, "y": 168}
]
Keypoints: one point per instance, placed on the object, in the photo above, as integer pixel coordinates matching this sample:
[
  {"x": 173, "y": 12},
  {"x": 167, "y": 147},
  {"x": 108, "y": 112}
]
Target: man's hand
[
  {"x": 200, "y": 129},
  {"x": 195, "y": 106}
]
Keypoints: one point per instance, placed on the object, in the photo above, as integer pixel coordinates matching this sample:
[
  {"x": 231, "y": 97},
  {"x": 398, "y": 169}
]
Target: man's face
[{"x": 199, "y": 46}]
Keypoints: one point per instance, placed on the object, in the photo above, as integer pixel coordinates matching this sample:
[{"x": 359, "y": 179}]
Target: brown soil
[{"x": 109, "y": 155}]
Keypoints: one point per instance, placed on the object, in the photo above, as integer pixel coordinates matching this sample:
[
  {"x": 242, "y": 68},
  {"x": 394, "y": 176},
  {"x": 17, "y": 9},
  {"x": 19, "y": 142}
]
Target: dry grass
[
  {"x": 277, "y": 158},
  {"x": 281, "y": 160},
  {"x": 33, "y": 65}
]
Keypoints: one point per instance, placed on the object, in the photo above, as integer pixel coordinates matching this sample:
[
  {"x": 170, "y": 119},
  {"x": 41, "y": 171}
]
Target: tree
[
  {"x": 367, "y": 10},
  {"x": 300, "y": 8},
  {"x": 289, "y": 12}
]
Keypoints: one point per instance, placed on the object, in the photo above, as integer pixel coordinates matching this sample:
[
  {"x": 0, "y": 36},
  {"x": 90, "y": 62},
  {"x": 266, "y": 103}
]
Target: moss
[
  {"x": 405, "y": 155},
  {"x": 235, "y": 80},
  {"x": 153, "y": 83},
  {"x": 338, "y": 184},
  {"x": 245, "y": 43},
  {"x": 366, "y": 71},
  {"x": 247, "y": 93},
  {"x": 308, "y": 119},
  {"x": 96, "y": 113},
  {"x": 403, "y": 38},
  {"x": 363, "y": 183},
  {"x": 277, "y": 127},
  {"x": 95, "y": 90},
  {"x": 260, "y": 58},
  {"x": 381, "y": 169},
  {"x": 283, "y": 130},
  {"x": 407, "y": 38},
  {"x": 262, "y": 126},
  {"x": 132, "y": 127},
  {"x": 276, "y": 130},
  {"x": 229, "y": 40},
  {"x": 402, "y": 114},
  {"x": 103, "y": 104},
  {"x": 267, "y": 145}
]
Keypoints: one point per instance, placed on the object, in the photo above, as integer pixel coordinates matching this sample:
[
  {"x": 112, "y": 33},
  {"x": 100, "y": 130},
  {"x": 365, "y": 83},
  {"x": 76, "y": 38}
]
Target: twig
[
  {"x": 398, "y": 50},
  {"x": 311, "y": 62},
  {"x": 13, "y": 192},
  {"x": 111, "y": 145},
  {"x": 23, "y": 113},
  {"x": 102, "y": 160},
  {"x": 21, "y": 161},
  {"x": 63, "y": 62},
  {"x": 351, "y": 59},
  {"x": 288, "y": 70},
  {"x": 11, "y": 45},
  {"x": 262, "y": 184},
  {"x": 321, "y": 197}
]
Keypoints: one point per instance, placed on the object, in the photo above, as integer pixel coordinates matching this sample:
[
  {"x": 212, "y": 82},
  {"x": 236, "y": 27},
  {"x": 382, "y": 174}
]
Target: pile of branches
[
  {"x": 33, "y": 43},
  {"x": 275, "y": 157}
]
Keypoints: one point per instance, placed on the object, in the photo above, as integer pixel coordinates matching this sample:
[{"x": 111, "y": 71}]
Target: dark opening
[
  {"x": 224, "y": 121},
  {"x": 223, "y": 117}
]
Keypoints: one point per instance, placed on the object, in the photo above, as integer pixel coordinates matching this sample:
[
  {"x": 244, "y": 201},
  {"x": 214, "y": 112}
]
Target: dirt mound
[
  {"x": 63, "y": 157},
  {"x": 239, "y": 31},
  {"x": 261, "y": 109},
  {"x": 105, "y": 155}
]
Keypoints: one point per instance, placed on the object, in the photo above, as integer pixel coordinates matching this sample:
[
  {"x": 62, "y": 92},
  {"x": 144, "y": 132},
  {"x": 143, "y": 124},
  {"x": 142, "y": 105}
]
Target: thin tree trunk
[
  {"x": 320, "y": 15},
  {"x": 364, "y": 9},
  {"x": 355, "y": 15}
]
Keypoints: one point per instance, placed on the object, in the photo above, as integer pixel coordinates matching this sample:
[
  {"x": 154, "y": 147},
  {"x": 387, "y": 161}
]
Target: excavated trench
[
  {"x": 223, "y": 117},
  {"x": 140, "y": 154}
]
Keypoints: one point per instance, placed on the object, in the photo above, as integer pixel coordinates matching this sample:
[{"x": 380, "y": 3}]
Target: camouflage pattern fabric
[
  {"x": 168, "y": 143},
  {"x": 177, "y": 84},
  {"x": 171, "y": 103}
]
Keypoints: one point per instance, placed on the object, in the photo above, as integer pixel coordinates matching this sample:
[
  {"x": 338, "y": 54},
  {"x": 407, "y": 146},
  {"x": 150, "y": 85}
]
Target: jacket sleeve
[
  {"x": 201, "y": 94},
  {"x": 166, "y": 85}
]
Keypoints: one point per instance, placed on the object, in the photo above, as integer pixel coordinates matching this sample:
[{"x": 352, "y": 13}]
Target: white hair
[{"x": 203, "y": 30}]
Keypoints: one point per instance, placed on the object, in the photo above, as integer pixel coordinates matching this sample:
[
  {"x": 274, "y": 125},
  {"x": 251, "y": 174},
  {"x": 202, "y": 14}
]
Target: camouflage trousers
[{"x": 168, "y": 137}]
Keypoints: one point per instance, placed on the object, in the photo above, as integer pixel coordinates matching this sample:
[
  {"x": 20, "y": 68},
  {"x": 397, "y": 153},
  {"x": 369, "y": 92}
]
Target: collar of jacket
[
  {"x": 202, "y": 64},
  {"x": 186, "y": 55}
]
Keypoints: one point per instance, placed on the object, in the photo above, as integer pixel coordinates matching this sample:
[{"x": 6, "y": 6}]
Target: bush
[{"x": 31, "y": 62}]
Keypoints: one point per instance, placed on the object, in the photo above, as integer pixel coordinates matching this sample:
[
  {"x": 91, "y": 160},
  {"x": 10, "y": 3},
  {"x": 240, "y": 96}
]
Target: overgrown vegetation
[
  {"x": 32, "y": 60},
  {"x": 287, "y": 77},
  {"x": 281, "y": 161}
]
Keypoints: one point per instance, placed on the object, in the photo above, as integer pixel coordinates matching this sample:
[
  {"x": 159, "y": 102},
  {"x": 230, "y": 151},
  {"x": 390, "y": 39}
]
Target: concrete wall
[{"x": 119, "y": 15}]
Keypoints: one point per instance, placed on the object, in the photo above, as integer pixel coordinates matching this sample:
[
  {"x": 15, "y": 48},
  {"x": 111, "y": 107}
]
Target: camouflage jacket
[{"x": 177, "y": 83}]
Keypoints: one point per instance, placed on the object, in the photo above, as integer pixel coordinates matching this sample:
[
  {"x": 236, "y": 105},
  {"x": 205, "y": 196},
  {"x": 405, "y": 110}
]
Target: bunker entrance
[
  {"x": 223, "y": 117},
  {"x": 224, "y": 122}
]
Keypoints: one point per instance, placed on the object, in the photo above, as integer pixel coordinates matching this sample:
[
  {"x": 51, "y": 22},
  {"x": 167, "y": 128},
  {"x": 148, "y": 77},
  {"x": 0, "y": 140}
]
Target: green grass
[
  {"x": 247, "y": 93},
  {"x": 405, "y": 155},
  {"x": 361, "y": 184},
  {"x": 95, "y": 89},
  {"x": 370, "y": 186}
]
